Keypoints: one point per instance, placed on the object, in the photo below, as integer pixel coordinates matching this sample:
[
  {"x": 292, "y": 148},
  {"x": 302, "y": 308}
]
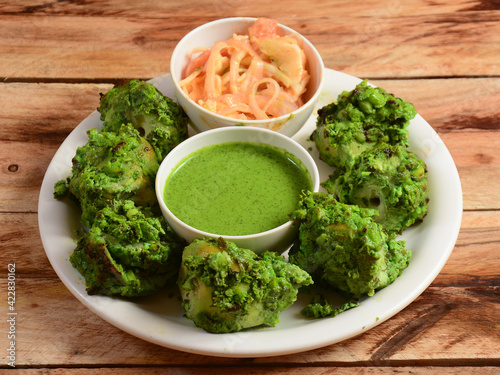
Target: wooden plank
[
  {"x": 478, "y": 165},
  {"x": 35, "y": 120},
  {"x": 408, "y": 39},
  {"x": 22, "y": 245},
  {"x": 23, "y": 166},
  {"x": 84, "y": 48},
  {"x": 44, "y": 114},
  {"x": 160, "y": 9},
  {"x": 479, "y": 230},
  {"x": 441, "y": 326},
  {"x": 253, "y": 370},
  {"x": 480, "y": 220},
  {"x": 450, "y": 105}
]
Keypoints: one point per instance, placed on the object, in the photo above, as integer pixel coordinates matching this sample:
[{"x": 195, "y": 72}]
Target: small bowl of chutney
[{"x": 238, "y": 183}]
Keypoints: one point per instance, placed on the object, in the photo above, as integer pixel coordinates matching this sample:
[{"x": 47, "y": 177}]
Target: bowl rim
[
  {"x": 162, "y": 177},
  {"x": 205, "y": 111}
]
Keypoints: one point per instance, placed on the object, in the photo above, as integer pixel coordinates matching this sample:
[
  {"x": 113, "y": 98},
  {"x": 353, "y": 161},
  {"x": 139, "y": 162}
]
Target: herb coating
[
  {"x": 341, "y": 246},
  {"x": 158, "y": 118},
  {"x": 127, "y": 251},
  {"x": 226, "y": 289},
  {"x": 391, "y": 180},
  {"x": 359, "y": 120},
  {"x": 125, "y": 247}
]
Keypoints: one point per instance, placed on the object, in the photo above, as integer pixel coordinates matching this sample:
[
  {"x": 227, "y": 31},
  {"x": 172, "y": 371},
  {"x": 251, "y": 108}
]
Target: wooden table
[{"x": 443, "y": 56}]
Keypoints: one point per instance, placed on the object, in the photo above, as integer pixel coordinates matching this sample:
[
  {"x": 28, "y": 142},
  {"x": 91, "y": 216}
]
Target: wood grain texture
[
  {"x": 438, "y": 327},
  {"x": 382, "y": 39},
  {"x": 44, "y": 114},
  {"x": 445, "y": 317},
  {"x": 451, "y": 105},
  {"x": 440, "y": 319},
  {"x": 441, "y": 55},
  {"x": 295, "y": 370}
]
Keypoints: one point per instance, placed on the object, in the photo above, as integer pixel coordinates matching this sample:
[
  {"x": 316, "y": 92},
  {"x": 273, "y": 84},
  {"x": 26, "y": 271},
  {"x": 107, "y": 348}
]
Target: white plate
[{"x": 159, "y": 318}]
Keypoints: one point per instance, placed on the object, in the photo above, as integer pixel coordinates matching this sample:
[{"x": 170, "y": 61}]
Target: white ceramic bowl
[
  {"x": 223, "y": 29},
  {"x": 277, "y": 239}
]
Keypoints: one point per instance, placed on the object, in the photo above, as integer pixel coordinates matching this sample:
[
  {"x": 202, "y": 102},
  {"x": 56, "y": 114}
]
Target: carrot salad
[{"x": 257, "y": 76}]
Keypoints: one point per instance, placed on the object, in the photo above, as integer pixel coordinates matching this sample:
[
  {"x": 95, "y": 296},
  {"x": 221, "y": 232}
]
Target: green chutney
[{"x": 236, "y": 188}]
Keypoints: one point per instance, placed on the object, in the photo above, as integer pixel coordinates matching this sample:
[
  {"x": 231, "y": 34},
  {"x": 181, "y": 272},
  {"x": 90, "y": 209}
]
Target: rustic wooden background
[{"x": 443, "y": 56}]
